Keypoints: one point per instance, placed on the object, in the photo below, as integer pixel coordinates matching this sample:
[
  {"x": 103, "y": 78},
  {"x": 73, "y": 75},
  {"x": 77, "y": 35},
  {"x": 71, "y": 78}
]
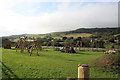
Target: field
[
  {"x": 78, "y": 35},
  {"x": 50, "y": 64},
  {"x": 74, "y": 35}
]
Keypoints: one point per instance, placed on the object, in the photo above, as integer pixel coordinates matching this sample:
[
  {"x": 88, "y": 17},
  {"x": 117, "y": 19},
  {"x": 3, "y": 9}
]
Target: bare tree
[{"x": 30, "y": 45}]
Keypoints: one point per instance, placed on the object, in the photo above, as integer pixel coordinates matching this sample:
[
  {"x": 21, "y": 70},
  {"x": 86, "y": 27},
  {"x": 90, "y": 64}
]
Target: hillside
[
  {"x": 99, "y": 30},
  {"x": 83, "y": 32}
]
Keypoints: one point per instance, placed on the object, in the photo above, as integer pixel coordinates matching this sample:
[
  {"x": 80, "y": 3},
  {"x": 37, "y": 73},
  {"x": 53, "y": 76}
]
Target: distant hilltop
[{"x": 88, "y": 31}]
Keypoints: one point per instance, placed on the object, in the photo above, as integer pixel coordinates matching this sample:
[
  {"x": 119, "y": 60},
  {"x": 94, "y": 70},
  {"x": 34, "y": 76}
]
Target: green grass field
[
  {"x": 78, "y": 35},
  {"x": 50, "y": 64}
]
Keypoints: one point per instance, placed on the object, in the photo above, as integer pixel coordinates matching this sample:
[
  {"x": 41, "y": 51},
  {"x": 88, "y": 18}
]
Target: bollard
[
  {"x": 83, "y": 72},
  {"x": 70, "y": 78}
]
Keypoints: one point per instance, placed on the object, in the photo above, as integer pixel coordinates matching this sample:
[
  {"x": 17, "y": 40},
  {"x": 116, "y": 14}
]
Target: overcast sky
[{"x": 45, "y": 16}]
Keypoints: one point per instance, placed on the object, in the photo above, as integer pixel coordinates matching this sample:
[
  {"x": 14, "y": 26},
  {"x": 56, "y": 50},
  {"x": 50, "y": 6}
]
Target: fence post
[{"x": 83, "y": 72}]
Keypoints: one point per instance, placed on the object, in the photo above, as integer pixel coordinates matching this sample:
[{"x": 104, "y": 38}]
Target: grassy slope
[
  {"x": 50, "y": 64},
  {"x": 78, "y": 35},
  {"x": 74, "y": 35}
]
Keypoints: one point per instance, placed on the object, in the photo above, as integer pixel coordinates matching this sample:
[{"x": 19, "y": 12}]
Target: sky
[{"x": 46, "y": 16}]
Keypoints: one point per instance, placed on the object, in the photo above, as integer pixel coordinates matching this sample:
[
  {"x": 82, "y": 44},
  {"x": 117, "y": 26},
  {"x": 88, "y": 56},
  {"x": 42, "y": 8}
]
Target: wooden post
[{"x": 83, "y": 72}]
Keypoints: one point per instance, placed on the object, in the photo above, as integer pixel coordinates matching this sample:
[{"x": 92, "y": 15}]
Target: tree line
[{"x": 95, "y": 41}]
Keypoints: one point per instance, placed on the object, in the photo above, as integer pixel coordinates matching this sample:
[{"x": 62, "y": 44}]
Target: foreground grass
[{"x": 50, "y": 64}]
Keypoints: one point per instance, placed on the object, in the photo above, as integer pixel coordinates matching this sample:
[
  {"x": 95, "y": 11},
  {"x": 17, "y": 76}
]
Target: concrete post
[{"x": 83, "y": 72}]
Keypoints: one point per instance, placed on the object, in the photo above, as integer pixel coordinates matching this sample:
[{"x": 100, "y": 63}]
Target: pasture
[
  {"x": 50, "y": 64},
  {"x": 78, "y": 35}
]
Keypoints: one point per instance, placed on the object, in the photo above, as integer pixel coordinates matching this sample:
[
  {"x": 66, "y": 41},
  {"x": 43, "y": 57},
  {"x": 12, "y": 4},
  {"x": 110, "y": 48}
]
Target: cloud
[{"x": 68, "y": 16}]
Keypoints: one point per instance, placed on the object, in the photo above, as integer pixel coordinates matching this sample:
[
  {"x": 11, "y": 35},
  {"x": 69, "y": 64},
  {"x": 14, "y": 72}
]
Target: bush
[
  {"x": 109, "y": 62},
  {"x": 57, "y": 49}
]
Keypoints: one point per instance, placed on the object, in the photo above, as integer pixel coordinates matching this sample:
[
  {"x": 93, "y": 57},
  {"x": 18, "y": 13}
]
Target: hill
[
  {"x": 94, "y": 30},
  {"x": 83, "y": 32}
]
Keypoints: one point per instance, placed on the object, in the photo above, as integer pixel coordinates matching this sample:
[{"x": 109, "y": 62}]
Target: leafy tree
[
  {"x": 99, "y": 44},
  {"x": 78, "y": 42},
  {"x": 85, "y": 42},
  {"x": 111, "y": 39},
  {"x": 64, "y": 38},
  {"x": 6, "y": 43}
]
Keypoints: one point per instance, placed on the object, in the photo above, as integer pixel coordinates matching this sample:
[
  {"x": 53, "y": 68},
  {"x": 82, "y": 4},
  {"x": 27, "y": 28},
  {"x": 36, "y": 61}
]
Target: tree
[
  {"x": 111, "y": 39},
  {"x": 64, "y": 38},
  {"x": 6, "y": 43},
  {"x": 78, "y": 42},
  {"x": 68, "y": 46},
  {"x": 85, "y": 42},
  {"x": 99, "y": 44},
  {"x": 79, "y": 38}
]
